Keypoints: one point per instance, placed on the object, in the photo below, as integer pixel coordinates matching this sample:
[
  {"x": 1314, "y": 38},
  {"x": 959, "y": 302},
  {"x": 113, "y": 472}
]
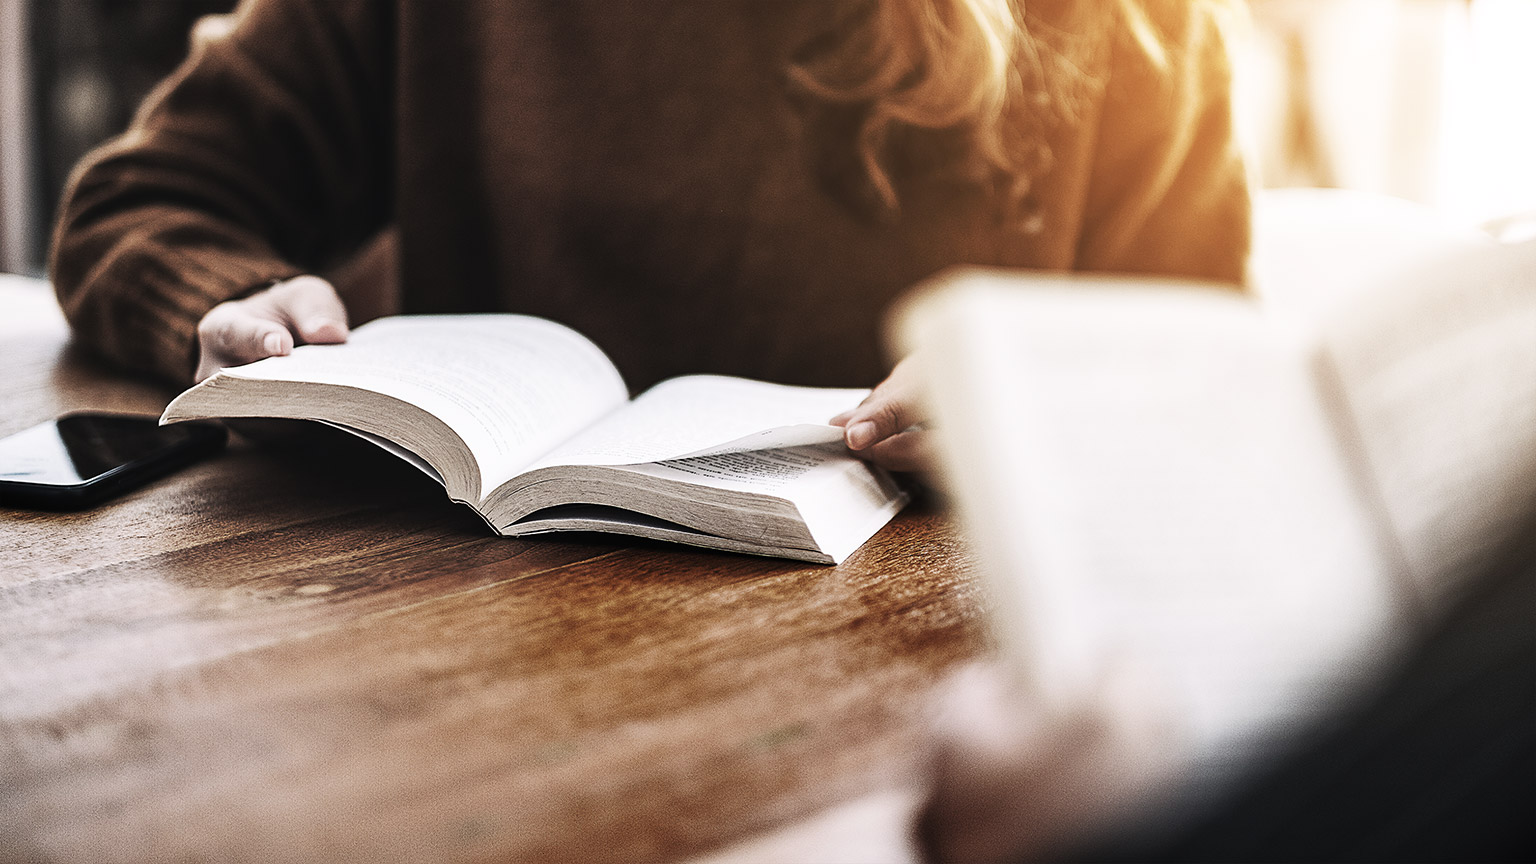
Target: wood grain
[{"x": 303, "y": 656}]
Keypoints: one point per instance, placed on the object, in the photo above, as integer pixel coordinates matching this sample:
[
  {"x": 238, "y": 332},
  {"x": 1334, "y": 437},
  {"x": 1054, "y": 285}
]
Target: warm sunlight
[
  {"x": 1487, "y": 165},
  {"x": 1418, "y": 100}
]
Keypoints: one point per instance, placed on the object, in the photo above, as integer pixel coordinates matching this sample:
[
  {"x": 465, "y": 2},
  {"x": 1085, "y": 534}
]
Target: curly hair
[{"x": 984, "y": 68}]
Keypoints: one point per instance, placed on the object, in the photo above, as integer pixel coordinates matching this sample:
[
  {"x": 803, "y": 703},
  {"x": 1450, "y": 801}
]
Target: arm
[
  {"x": 1169, "y": 193},
  {"x": 265, "y": 156}
]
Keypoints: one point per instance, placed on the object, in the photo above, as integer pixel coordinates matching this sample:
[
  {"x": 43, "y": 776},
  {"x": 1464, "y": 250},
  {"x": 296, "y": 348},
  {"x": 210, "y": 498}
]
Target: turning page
[
  {"x": 700, "y": 415},
  {"x": 842, "y": 500}
]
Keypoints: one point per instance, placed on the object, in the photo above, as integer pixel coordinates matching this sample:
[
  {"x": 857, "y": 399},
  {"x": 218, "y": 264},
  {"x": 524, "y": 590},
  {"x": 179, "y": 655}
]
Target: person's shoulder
[
  {"x": 1170, "y": 191},
  {"x": 1170, "y": 35},
  {"x": 1162, "y": 44},
  {"x": 1169, "y": 58}
]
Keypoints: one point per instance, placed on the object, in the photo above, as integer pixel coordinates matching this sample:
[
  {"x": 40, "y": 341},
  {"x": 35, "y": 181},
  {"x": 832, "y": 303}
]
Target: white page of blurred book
[{"x": 1250, "y": 502}]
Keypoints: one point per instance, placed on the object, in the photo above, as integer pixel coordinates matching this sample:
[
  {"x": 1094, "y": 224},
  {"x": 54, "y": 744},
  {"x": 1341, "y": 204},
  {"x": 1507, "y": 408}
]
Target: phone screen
[{"x": 82, "y": 458}]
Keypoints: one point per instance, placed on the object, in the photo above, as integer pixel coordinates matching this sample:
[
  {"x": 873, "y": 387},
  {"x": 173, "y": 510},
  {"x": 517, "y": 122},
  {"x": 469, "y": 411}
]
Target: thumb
[{"x": 312, "y": 308}]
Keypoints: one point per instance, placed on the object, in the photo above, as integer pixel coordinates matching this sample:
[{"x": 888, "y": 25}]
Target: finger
[
  {"x": 234, "y": 340},
  {"x": 313, "y": 308},
  {"x": 890, "y": 409},
  {"x": 881, "y": 416},
  {"x": 1015, "y": 780},
  {"x": 841, "y": 418},
  {"x": 1002, "y": 770},
  {"x": 911, "y": 450},
  {"x": 987, "y": 742},
  {"x": 231, "y": 333}
]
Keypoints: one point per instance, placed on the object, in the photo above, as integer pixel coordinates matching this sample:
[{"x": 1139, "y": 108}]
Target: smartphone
[{"x": 85, "y": 458}]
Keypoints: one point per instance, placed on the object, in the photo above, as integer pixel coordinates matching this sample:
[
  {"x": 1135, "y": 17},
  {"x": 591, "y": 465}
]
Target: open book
[
  {"x": 1249, "y": 500},
  {"x": 527, "y": 422}
]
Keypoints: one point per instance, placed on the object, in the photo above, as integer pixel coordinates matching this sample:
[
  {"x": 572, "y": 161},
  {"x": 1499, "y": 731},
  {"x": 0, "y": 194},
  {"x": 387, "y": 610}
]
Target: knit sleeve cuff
[
  {"x": 193, "y": 283},
  {"x": 145, "y": 307}
]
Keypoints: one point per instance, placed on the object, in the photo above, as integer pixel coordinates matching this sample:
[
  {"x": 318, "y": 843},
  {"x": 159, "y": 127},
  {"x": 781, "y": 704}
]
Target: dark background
[{"x": 93, "y": 62}]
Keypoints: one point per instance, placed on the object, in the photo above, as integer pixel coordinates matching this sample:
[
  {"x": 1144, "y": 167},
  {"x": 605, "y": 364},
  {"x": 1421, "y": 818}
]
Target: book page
[
  {"x": 1435, "y": 363},
  {"x": 511, "y": 386},
  {"x": 842, "y": 499},
  {"x": 1317, "y": 248},
  {"x": 699, "y": 415},
  {"x": 1427, "y": 336},
  {"x": 393, "y": 449},
  {"x": 1151, "y": 481},
  {"x": 765, "y": 471}
]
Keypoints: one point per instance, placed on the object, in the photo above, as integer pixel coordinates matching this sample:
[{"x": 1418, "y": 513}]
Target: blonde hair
[{"x": 965, "y": 65}]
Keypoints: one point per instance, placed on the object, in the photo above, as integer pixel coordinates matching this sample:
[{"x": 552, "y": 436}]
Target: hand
[
  {"x": 1013, "y": 782},
  {"x": 304, "y": 309},
  {"x": 888, "y": 426}
]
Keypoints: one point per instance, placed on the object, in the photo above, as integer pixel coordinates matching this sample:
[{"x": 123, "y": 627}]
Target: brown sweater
[{"x": 639, "y": 169}]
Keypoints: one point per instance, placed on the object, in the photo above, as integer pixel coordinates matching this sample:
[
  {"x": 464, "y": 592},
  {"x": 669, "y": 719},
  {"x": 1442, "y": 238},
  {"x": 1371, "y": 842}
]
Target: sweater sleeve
[
  {"x": 1169, "y": 192},
  {"x": 264, "y": 156}
]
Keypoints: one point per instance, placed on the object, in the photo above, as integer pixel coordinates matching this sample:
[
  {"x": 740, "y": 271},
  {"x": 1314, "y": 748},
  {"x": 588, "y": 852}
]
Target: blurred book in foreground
[{"x": 1242, "y": 504}]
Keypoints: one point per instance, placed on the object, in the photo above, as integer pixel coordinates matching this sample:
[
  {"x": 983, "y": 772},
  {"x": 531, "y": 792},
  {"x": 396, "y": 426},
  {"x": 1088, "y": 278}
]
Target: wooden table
[{"x": 287, "y": 656}]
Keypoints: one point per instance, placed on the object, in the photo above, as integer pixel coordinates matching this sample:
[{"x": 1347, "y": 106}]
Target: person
[
  {"x": 699, "y": 186},
  {"x": 1436, "y": 761}
]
